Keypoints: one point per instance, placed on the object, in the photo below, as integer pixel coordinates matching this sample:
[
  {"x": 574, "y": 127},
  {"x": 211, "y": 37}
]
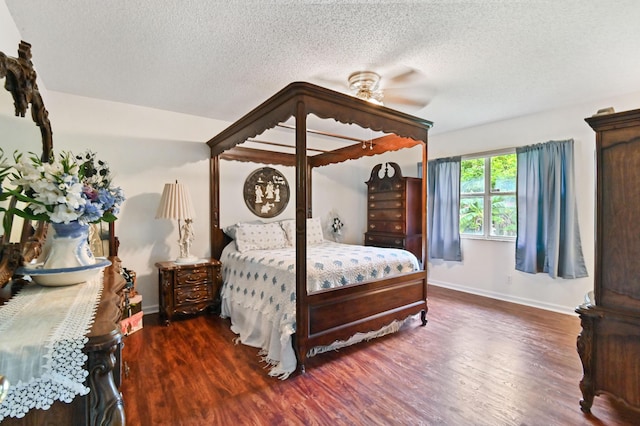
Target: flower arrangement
[
  {"x": 69, "y": 188},
  {"x": 337, "y": 225}
]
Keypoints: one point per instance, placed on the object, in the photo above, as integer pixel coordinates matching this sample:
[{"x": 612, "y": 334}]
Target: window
[{"x": 488, "y": 196}]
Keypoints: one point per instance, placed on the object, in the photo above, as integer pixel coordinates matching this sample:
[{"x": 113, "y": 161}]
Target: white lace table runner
[{"x": 42, "y": 334}]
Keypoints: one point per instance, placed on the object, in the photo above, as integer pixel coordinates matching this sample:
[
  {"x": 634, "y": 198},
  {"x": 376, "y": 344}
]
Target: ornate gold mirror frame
[{"x": 20, "y": 80}]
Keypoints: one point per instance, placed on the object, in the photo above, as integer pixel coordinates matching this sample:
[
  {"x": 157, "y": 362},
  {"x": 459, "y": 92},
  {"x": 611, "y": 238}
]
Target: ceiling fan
[
  {"x": 406, "y": 89},
  {"x": 365, "y": 85}
]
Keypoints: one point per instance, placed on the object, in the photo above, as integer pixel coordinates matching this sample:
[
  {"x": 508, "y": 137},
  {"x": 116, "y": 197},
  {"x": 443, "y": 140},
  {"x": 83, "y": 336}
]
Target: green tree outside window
[{"x": 497, "y": 173}]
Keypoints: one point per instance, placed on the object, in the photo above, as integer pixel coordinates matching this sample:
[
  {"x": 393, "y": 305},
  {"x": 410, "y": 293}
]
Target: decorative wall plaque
[{"x": 266, "y": 192}]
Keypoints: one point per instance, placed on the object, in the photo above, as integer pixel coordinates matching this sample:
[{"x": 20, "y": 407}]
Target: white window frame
[{"x": 486, "y": 226}]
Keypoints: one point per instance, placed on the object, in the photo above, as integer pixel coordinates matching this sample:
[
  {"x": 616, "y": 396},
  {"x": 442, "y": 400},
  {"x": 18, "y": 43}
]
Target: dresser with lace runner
[{"x": 74, "y": 375}]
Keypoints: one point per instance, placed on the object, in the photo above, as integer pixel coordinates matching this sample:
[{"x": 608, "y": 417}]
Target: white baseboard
[
  {"x": 154, "y": 309},
  {"x": 506, "y": 297},
  {"x": 494, "y": 295}
]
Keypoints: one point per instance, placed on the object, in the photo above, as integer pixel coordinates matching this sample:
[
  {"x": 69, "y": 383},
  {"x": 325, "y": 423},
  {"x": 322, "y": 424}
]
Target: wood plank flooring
[{"x": 478, "y": 361}]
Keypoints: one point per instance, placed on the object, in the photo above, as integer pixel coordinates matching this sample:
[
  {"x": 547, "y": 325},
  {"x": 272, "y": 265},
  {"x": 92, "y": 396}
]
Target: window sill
[{"x": 484, "y": 238}]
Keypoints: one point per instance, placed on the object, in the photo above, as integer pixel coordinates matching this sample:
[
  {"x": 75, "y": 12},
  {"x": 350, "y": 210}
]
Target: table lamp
[{"x": 176, "y": 204}]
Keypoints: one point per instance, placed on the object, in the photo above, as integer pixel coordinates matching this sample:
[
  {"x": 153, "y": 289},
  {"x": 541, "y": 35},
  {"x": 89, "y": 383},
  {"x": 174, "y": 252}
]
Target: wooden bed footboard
[{"x": 339, "y": 313}]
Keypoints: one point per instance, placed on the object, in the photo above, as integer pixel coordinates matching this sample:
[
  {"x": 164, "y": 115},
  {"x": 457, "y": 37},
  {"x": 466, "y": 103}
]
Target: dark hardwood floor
[{"x": 478, "y": 361}]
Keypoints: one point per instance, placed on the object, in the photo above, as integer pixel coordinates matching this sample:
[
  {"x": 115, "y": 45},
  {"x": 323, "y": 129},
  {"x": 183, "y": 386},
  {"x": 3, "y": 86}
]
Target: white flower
[{"x": 63, "y": 213}]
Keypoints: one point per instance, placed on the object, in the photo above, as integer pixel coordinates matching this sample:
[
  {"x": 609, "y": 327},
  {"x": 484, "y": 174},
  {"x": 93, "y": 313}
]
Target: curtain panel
[
  {"x": 443, "y": 209},
  {"x": 548, "y": 237}
]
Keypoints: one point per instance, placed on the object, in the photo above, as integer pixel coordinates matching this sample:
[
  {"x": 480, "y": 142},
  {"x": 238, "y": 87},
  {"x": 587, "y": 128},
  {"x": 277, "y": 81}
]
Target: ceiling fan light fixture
[{"x": 365, "y": 85}]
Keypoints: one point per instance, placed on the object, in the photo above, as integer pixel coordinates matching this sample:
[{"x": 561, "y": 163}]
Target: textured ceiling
[{"x": 477, "y": 61}]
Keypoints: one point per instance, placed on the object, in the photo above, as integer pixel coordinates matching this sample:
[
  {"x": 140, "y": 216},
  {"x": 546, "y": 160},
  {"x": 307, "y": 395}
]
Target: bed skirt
[{"x": 276, "y": 349}]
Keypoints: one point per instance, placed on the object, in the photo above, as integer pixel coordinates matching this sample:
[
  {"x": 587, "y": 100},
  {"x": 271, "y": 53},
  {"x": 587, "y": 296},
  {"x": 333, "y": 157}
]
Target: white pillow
[
  {"x": 314, "y": 231},
  {"x": 231, "y": 230},
  {"x": 260, "y": 236},
  {"x": 289, "y": 227}
]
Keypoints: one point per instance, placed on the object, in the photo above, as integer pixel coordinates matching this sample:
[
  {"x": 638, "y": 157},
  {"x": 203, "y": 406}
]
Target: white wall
[{"x": 9, "y": 34}]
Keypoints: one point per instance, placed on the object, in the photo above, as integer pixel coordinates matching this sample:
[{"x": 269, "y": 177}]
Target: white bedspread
[{"x": 259, "y": 289}]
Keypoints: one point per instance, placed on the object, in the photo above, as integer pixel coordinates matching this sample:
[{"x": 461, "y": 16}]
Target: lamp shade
[{"x": 175, "y": 203}]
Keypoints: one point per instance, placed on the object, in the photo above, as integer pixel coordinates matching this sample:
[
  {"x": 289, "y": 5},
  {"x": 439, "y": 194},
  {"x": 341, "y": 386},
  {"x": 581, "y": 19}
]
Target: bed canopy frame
[{"x": 362, "y": 307}]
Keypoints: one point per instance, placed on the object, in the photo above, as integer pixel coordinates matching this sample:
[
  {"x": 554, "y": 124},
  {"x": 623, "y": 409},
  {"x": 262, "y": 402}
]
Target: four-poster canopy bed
[{"x": 335, "y": 314}]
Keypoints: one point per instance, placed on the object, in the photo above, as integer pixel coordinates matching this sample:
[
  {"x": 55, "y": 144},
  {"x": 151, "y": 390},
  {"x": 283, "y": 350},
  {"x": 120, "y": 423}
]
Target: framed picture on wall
[{"x": 266, "y": 192}]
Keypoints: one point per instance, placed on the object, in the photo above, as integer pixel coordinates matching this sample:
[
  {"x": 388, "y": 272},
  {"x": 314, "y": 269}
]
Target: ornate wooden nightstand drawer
[
  {"x": 193, "y": 294},
  {"x": 193, "y": 276}
]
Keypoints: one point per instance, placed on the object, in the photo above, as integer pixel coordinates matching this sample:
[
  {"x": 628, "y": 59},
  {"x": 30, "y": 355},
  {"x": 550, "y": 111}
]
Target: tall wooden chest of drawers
[
  {"x": 394, "y": 210},
  {"x": 188, "y": 288}
]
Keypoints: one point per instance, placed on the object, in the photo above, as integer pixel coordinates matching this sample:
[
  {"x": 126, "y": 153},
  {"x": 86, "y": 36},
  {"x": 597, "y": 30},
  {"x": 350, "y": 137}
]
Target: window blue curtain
[
  {"x": 548, "y": 238},
  {"x": 443, "y": 209}
]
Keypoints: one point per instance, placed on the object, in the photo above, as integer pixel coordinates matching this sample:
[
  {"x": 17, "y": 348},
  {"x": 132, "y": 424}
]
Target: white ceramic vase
[{"x": 67, "y": 246}]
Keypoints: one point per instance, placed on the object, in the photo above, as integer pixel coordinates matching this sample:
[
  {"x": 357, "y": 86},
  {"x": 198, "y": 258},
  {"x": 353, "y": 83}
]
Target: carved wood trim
[
  {"x": 378, "y": 146},
  {"x": 252, "y": 155},
  {"x": 585, "y": 349},
  {"x": 10, "y": 259},
  {"x": 21, "y": 82},
  {"x": 323, "y": 103}
]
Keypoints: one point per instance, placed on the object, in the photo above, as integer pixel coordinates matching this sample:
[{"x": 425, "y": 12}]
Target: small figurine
[{"x": 186, "y": 239}]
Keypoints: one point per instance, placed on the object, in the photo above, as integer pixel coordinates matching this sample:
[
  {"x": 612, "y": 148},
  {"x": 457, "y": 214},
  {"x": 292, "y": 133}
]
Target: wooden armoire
[
  {"x": 394, "y": 210},
  {"x": 609, "y": 344}
]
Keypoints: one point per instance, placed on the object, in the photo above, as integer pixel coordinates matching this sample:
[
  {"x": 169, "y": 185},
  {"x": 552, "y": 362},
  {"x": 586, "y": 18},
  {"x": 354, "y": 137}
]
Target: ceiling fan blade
[
  {"x": 416, "y": 103},
  {"x": 331, "y": 81},
  {"x": 418, "y": 94},
  {"x": 400, "y": 75},
  {"x": 409, "y": 76}
]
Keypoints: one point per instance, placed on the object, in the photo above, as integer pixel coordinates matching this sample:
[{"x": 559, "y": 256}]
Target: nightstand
[{"x": 188, "y": 288}]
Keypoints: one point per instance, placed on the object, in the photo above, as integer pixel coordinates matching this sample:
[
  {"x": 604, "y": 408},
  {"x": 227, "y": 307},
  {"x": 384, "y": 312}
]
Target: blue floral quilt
[{"x": 264, "y": 280}]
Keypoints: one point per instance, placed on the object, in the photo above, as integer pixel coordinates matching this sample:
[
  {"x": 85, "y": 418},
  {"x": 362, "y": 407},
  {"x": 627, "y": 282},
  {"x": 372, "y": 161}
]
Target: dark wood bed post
[
  {"x": 425, "y": 237},
  {"x": 303, "y": 210},
  {"x": 216, "y": 235}
]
